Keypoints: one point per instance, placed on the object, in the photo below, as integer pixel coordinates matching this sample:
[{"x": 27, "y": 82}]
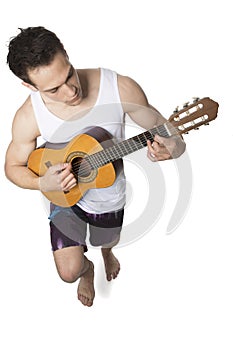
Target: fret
[
  {"x": 132, "y": 145},
  {"x": 129, "y": 146},
  {"x": 141, "y": 140},
  {"x": 149, "y": 135},
  {"x": 163, "y": 131},
  {"x": 125, "y": 147},
  {"x": 109, "y": 153},
  {"x": 125, "y": 150},
  {"x": 102, "y": 157},
  {"x": 118, "y": 151},
  {"x": 93, "y": 161}
]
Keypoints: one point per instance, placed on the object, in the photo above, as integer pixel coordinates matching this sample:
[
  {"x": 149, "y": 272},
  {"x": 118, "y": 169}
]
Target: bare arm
[
  {"x": 136, "y": 105},
  {"x": 24, "y": 135}
]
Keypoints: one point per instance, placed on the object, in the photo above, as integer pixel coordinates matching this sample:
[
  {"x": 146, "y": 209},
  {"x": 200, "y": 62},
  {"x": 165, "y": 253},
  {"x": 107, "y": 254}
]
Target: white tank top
[{"x": 107, "y": 113}]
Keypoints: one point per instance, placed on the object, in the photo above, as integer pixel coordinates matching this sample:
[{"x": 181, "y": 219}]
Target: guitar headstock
[{"x": 193, "y": 115}]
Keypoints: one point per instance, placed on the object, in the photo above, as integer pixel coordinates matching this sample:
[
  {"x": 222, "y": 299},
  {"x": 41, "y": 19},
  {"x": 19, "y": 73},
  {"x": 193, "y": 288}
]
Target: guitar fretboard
[{"x": 125, "y": 147}]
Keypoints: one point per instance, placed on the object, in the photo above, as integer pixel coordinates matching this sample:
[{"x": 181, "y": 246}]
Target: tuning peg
[
  {"x": 195, "y": 99},
  {"x": 185, "y": 104},
  {"x": 207, "y": 124},
  {"x": 176, "y": 110},
  {"x": 196, "y": 128}
]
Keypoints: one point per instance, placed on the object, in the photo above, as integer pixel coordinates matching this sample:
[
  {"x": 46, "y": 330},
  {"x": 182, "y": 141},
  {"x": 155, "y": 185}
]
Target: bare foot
[
  {"x": 86, "y": 292},
  {"x": 112, "y": 265}
]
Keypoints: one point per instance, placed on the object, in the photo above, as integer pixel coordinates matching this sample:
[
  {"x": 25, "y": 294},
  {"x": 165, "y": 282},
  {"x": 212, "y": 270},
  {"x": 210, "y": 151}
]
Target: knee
[
  {"x": 70, "y": 273},
  {"x": 68, "y": 276}
]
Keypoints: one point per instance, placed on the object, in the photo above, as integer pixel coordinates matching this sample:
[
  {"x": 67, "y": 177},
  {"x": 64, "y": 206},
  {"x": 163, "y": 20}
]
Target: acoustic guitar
[{"x": 96, "y": 158}]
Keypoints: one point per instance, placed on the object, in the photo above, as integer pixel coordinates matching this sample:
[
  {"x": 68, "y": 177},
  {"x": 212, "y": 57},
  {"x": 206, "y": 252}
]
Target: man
[{"x": 63, "y": 101}]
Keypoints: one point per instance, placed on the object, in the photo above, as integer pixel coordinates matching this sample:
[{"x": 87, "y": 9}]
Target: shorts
[{"x": 68, "y": 227}]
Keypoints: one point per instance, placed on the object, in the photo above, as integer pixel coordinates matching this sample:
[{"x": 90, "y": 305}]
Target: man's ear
[{"x": 29, "y": 86}]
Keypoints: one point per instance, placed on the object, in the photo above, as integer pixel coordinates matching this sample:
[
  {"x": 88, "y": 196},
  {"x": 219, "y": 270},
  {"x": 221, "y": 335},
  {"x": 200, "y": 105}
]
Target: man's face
[{"x": 58, "y": 81}]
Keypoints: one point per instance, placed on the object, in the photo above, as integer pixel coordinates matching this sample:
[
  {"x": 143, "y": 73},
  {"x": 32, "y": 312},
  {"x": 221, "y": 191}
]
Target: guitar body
[{"x": 94, "y": 140}]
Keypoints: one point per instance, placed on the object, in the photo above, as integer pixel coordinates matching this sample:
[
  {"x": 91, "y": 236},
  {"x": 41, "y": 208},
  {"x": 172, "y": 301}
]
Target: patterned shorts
[{"x": 68, "y": 227}]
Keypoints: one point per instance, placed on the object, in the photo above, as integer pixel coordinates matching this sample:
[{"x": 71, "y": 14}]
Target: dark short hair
[{"x": 31, "y": 48}]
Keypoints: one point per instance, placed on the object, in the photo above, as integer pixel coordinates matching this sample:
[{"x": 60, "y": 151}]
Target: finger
[
  {"x": 70, "y": 185},
  {"x": 58, "y": 167},
  {"x": 152, "y": 156},
  {"x": 161, "y": 140},
  {"x": 155, "y": 147},
  {"x": 69, "y": 178},
  {"x": 152, "y": 146},
  {"x": 66, "y": 172},
  {"x": 156, "y": 150}
]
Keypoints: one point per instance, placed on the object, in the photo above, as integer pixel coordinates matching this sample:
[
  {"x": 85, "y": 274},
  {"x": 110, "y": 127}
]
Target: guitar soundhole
[{"x": 82, "y": 169}]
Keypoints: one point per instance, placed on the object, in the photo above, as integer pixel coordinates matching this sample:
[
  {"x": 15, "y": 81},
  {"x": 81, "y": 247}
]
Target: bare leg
[
  {"x": 72, "y": 264},
  {"x": 112, "y": 265},
  {"x": 86, "y": 291}
]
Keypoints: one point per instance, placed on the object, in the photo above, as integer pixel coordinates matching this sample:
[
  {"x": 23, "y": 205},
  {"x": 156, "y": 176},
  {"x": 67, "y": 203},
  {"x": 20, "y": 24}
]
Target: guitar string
[
  {"x": 94, "y": 163},
  {"x": 112, "y": 153},
  {"x": 99, "y": 159},
  {"x": 130, "y": 145},
  {"x": 101, "y": 154}
]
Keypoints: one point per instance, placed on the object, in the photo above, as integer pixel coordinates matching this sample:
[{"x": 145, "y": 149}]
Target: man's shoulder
[
  {"x": 24, "y": 118},
  {"x": 25, "y": 110},
  {"x": 125, "y": 82},
  {"x": 130, "y": 91},
  {"x": 87, "y": 72}
]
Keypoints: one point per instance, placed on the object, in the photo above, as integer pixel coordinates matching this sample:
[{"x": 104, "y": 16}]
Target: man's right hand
[{"x": 57, "y": 178}]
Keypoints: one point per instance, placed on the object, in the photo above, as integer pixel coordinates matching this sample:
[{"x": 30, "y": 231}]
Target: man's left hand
[{"x": 163, "y": 148}]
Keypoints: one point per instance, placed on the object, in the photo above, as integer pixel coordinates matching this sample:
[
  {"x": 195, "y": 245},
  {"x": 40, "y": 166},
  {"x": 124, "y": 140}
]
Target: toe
[
  {"x": 109, "y": 277},
  {"x": 89, "y": 302}
]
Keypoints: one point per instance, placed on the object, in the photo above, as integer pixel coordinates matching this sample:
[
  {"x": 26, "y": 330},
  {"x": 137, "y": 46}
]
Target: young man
[{"x": 62, "y": 102}]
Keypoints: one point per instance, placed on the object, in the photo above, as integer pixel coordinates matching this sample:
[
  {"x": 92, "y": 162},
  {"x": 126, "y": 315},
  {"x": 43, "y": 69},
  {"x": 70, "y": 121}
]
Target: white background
[{"x": 174, "y": 291}]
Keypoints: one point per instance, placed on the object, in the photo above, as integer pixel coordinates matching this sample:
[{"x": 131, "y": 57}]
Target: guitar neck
[{"x": 126, "y": 147}]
